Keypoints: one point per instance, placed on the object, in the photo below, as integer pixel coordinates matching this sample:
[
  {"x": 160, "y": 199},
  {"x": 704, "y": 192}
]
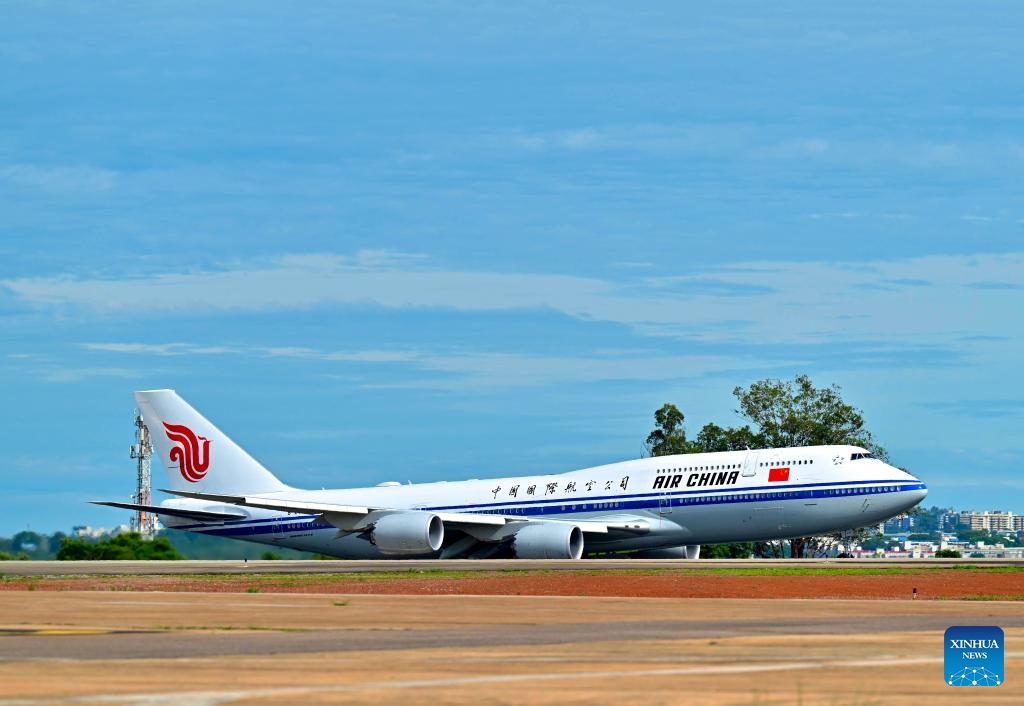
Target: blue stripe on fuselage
[{"x": 566, "y": 506}]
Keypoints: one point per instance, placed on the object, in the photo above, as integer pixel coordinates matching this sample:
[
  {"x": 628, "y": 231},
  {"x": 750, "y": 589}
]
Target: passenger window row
[
  {"x": 730, "y": 498},
  {"x": 861, "y": 491},
  {"x": 720, "y": 467}
]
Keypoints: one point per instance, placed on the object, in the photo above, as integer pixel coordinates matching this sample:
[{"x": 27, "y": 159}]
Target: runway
[
  {"x": 95, "y": 644},
  {"x": 165, "y": 568},
  {"x": 162, "y": 648}
]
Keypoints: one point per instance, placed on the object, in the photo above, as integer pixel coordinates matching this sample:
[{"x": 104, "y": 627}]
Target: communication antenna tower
[{"x": 143, "y": 522}]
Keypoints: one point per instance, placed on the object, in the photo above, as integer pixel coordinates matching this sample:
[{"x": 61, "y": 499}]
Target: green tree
[
  {"x": 715, "y": 438},
  {"x": 32, "y": 543},
  {"x": 979, "y": 535},
  {"x": 876, "y": 541},
  {"x": 669, "y": 435},
  {"x": 123, "y": 547},
  {"x": 799, "y": 414},
  {"x": 739, "y": 550}
]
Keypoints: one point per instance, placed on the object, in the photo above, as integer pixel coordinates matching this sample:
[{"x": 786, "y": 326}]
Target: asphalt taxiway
[{"x": 93, "y": 647}]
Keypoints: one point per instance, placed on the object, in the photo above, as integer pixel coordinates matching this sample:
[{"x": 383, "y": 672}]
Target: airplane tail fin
[{"x": 197, "y": 455}]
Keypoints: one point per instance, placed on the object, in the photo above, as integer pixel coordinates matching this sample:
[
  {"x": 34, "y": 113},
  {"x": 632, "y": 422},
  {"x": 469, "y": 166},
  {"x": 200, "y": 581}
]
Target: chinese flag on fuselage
[{"x": 775, "y": 474}]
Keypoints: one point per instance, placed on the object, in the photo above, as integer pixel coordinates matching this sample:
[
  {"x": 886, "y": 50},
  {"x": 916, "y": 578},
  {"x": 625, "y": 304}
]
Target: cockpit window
[{"x": 858, "y": 456}]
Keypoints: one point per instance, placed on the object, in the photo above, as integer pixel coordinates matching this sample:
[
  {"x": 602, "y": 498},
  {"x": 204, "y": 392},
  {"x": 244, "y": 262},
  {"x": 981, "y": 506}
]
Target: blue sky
[{"x": 379, "y": 241}]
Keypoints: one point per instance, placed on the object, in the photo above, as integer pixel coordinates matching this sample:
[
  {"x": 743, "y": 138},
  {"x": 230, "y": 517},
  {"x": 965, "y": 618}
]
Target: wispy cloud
[
  {"x": 995, "y": 286},
  {"x": 985, "y": 409},
  {"x": 772, "y": 302},
  {"x": 197, "y": 349},
  {"x": 164, "y": 349},
  {"x": 751, "y": 142},
  {"x": 58, "y": 179},
  {"x": 467, "y": 368},
  {"x": 644, "y": 138},
  {"x": 72, "y": 374},
  {"x": 462, "y": 369}
]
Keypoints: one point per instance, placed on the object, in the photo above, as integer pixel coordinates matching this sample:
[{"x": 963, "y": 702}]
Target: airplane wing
[
  {"x": 352, "y": 517},
  {"x": 198, "y": 515}
]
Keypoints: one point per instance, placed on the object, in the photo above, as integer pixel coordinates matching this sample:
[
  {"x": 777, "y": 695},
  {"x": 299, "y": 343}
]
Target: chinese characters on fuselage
[{"x": 570, "y": 487}]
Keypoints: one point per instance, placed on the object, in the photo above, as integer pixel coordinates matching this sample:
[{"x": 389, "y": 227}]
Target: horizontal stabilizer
[{"x": 198, "y": 515}]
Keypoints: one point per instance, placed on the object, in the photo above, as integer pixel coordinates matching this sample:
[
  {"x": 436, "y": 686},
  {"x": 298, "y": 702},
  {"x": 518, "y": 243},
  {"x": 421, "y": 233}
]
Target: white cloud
[
  {"x": 59, "y": 179},
  {"x": 656, "y": 139},
  {"x": 843, "y": 215},
  {"x": 472, "y": 369},
  {"x": 748, "y": 142},
  {"x": 361, "y": 260},
  {"x": 79, "y": 374},
  {"x": 582, "y": 139},
  {"x": 166, "y": 349},
  {"x": 770, "y": 302},
  {"x": 506, "y": 369},
  {"x": 191, "y": 349},
  {"x": 310, "y": 280}
]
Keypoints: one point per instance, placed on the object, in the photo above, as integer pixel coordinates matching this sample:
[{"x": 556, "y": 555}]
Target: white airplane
[{"x": 665, "y": 506}]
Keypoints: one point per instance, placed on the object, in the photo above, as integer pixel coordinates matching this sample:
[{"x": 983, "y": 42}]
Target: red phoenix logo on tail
[{"x": 192, "y": 458}]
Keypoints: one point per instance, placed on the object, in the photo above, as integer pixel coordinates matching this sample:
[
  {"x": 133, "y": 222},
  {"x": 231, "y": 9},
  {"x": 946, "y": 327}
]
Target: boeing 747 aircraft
[{"x": 665, "y": 506}]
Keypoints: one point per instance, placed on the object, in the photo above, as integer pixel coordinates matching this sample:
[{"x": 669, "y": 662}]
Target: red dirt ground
[{"x": 953, "y": 584}]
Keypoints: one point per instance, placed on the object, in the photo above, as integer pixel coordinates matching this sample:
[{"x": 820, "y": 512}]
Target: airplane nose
[
  {"x": 916, "y": 495},
  {"x": 919, "y": 491}
]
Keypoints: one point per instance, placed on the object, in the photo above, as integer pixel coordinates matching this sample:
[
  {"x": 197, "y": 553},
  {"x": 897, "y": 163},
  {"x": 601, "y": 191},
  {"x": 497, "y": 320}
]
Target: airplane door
[
  {"x": 750, "y": 464},
  {"x": 664, "y": 505}
]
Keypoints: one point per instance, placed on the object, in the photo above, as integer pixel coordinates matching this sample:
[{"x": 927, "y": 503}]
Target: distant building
[
  {"x": 86, "y": 532},
  {"x": 949, "y": 521},
  {"x": 993, "y": 520},
  {"x": 898, "y": 524}
]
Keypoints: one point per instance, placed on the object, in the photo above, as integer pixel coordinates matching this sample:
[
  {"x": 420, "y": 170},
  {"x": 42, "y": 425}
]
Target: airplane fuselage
[{"x": 661, "y": 502}]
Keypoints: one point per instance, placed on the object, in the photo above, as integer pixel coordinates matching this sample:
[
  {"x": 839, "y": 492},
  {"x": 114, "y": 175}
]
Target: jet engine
[
  {"x": 548, "y": 540},
  {"x": 410, "y": 532}
]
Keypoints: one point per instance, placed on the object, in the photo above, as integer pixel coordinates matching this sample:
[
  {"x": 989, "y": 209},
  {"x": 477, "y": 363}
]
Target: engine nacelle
[
  {"x": 548, "y": 540},
  {"x": 692, "y": 551},
  {"x": 411, "y": 532}
]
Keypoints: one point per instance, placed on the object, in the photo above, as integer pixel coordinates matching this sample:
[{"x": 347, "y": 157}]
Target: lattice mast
[{"x": 142, "y": 450}]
